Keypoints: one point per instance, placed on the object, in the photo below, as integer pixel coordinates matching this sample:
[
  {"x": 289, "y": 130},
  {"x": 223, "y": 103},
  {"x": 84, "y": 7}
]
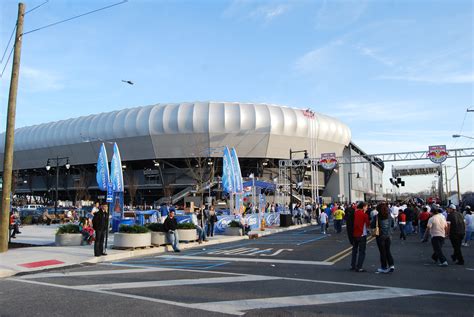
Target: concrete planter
[
  {"x": 132, "y": 240},
  {"x": 233, "y": 231},
  {"x": 158, "y": 238},
  {"x": 68, "y": 239},
  {"x": 187, "y": 234}
]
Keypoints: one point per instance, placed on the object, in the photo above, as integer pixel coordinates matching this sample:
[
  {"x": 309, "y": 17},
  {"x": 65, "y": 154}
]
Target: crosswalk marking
[
  {"x": 254, "y": 260},
  {"x": 238, "y": 307},
  {"x": 182, "y": 282},
  {"x": 93, "y": 273}
]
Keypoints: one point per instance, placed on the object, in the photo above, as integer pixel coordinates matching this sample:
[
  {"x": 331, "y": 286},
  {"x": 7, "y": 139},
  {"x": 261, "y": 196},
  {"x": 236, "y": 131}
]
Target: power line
[
  {"x": 462, "y": 127},
  {"x": 75, "y": 17},
  {"x": 6, "y": 63},
  {"x": 38, "y": 6},
  {"x": 8, "y": 44}
]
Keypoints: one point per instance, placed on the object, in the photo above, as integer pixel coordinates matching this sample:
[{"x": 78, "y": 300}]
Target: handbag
[{"x": 375, "y": 232}]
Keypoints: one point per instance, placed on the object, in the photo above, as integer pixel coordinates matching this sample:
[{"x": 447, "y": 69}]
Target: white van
[{"x": 32, "y": 207}]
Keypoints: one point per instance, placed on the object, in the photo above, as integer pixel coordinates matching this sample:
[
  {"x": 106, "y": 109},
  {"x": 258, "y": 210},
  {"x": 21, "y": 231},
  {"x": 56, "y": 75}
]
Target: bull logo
[{"x": 437, "y": 153}]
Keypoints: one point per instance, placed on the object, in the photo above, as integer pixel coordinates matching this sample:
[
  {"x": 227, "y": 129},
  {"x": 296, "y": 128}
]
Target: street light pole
[
  {"x": 350, "y": 185},
  {"x": 48, "y": 167}
]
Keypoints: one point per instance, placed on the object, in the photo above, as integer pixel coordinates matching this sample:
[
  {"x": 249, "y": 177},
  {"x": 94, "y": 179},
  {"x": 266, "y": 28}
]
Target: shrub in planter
[
  {"x": 234, "y": 224},
  {"x": 233, "y": 229},
  {"x": 158, "y": 235},
  {"x": 187, "y": 231},
  {"x": 132, "y": 237},
  {"x": 156, "y": 227},
  {"x": 68, "y": 235},
  {"x": 69, "y": 228},
  {"x": 133, "y": 229},
  {"x": 186, "y": 226}
]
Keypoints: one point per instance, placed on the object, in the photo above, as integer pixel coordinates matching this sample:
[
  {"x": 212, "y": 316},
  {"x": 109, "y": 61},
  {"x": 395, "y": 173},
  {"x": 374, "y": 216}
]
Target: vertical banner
[
  {"x": 227, "y": 173},
  {"x": 116, "y": 179},
  {"x": 102, "y": 175},
  {"x": 237, "y": 173}
]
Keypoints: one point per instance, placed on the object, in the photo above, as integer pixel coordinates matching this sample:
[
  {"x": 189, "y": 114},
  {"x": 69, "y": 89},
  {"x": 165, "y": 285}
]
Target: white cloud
[
  {"x": 446, "y": 78},
  {"x": 337, "y": 14},
  {"x": 269, "y": 12},
  {"x": 380, "y": 111},
  {"x": 375, "y": 54},
  {"x": 255, "y": 10},
  {"x": 315, "y": 59},
  {"x": 37, "y": 80}
]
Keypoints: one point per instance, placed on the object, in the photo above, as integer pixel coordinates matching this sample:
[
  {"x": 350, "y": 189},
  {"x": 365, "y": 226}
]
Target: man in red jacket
[{"x": 361, "y": 224}]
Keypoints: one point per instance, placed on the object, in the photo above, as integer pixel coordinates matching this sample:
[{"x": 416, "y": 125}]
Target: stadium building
[{"x": 170, "y": 151}]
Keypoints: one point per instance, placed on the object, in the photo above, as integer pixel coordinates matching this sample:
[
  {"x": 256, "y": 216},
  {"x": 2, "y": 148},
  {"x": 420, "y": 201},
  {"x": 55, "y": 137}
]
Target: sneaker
[
  {"x": 177, "y": 250},
  {"x": 360, "y": 270},
  {"x": 444, "y": 264},
  {"x": 391, "y": 268},
  {"x": 382, "y": 270},
  {"x": 465, "y": 245}
]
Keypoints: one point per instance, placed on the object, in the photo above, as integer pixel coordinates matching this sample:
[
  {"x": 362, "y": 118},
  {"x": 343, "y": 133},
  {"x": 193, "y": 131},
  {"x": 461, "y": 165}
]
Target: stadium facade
[{"x": 163, "y": 145}]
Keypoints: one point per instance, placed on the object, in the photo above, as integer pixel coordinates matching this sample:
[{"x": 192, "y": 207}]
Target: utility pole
[
  {"x": 457, "y": 176},
  {"x": 10, "y": 133},
  {"x": 446, "y": 180}
]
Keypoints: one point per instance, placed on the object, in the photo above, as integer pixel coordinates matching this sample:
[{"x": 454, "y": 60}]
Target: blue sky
[{"x": 399, "y": 73}]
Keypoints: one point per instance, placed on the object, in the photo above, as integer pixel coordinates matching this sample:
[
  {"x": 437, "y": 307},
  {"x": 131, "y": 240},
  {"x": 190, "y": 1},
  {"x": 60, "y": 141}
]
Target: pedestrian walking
[
  {"x": 211, "y": 221},
  {"x": 384, "y": 220},
  {"x": 469, "y": 220},
  {"x": 350, "y": 222},
  {"x": 361, "y": 225},
  {"x": 323, "y": 219},
  {"x": 437, "y": 227},
  {"x": 402, "y": 221},
  {"x": 423, "y": 221},
  {"x": 457, "y": 230},
  {"x": 171, "y": 229},
  {"x": 100, "y": 223},
  {"x": 338, "y": 216}
]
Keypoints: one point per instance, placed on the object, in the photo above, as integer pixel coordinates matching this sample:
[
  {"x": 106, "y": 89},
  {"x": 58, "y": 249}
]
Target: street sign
[{"x": 437, "y": 153}]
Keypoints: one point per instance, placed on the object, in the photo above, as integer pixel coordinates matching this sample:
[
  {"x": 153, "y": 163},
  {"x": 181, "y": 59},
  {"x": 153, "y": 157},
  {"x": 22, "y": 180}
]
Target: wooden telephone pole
[{"x": 10, "y": 133}]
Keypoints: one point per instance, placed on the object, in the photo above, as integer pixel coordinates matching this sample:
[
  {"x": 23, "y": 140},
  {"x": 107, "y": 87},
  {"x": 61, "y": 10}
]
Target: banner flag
[
  {"x": 102, "y": 175},
  {"x": 239, "y": 188},
  {"x": 116, "y": 174},
  {"x": 227, "y": 172}
]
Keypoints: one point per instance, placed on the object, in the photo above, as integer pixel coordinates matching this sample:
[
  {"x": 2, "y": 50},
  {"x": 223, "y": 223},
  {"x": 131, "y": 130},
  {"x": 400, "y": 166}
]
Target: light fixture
[
  {"x": 25, "y": 181},
  {"x": 156, "y": 163},
  {"x": 124, "y": 166},
  {"x": 48, "y": 165},
  {"x": 209, "y": 162},
  {"x": 68, "y": 166},
  {"x": 456, "y": 135}
]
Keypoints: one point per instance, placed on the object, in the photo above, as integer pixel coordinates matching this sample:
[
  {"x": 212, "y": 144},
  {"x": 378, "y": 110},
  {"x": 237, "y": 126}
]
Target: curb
[{"x": 5, "y": 273}]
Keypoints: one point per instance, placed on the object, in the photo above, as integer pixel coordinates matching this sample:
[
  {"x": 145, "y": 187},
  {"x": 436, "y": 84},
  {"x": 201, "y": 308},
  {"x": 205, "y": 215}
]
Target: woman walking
[
  {"x": 384, "y": 222},
  {"x": 211, "y": 221}
]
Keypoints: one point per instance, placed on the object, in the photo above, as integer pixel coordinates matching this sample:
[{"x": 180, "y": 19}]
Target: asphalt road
[{"x": 295, "y": 273}]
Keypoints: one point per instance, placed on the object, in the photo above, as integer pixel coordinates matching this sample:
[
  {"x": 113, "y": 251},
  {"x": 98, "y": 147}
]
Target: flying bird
[{"x": 128, "y": 82}]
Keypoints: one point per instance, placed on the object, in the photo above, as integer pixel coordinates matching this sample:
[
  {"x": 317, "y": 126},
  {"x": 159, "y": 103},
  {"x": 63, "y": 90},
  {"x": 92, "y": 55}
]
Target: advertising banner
[
  {"x": 227, "y": 172},
  {"x": 328, "y": 161},
  {"x": 437, "y": 153},
  {"x": 237, "y": 173},
  {"x": 116, "y": 174},
  {"x": 102, "y": 175}
]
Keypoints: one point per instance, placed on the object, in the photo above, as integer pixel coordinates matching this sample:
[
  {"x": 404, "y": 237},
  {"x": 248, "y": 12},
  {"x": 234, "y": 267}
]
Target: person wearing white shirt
[
  {"x": 200, "y": 232},
  {"x": 437, "y": 227}
]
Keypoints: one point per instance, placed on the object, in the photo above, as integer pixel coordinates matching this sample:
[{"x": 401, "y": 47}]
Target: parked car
[{"x": 36, "y": 215}]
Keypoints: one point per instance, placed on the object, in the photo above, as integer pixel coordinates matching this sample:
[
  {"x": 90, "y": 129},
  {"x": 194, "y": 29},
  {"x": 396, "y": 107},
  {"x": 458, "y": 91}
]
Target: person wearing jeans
[
  {"x": 402, "y": 221},
  {"x": 171, "y": 229},
  {"x": 384, "y": 222},
  {"x": 361, "y": 224}
]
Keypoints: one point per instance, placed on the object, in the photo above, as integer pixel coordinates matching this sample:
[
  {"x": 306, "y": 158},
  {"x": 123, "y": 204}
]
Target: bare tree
[
  {"x": 132, "y": 185},
  {"x": 83, "y": 184}
]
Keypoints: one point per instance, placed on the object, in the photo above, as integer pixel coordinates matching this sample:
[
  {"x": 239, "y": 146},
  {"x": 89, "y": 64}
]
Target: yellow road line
[{"x": 341, "y": 255}]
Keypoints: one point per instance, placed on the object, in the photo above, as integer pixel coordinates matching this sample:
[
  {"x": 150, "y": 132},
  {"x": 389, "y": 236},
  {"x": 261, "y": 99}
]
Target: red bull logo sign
[
  {"x": 328, "y": 161},
  {"x": 437, "y": 153}
]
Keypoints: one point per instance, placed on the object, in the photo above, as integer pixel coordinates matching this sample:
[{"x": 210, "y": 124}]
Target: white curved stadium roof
[{"x": 181, "y": 130}]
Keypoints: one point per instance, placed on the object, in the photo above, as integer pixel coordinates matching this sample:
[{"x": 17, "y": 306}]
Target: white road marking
[
  {"x": 161, "y": 283},
  {"x": 277, "y": 252},
  {"x": 92, "y": 273},
  {"x": 238, "y": 307},
  {"x": 254, "y": 260}
]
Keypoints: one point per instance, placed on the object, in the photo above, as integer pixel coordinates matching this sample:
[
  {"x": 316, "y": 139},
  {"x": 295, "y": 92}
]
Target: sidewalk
[{"x": 46, "y": 255}]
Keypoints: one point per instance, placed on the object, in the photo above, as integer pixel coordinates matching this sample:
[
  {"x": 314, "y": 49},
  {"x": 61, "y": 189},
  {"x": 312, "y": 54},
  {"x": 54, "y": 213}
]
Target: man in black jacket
[
  {"x": 171, "y": 229},
  {"x": 100, "y": 222},
  {"x": 349, "y": 216},
  {"x": 457, "y": 230}
]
